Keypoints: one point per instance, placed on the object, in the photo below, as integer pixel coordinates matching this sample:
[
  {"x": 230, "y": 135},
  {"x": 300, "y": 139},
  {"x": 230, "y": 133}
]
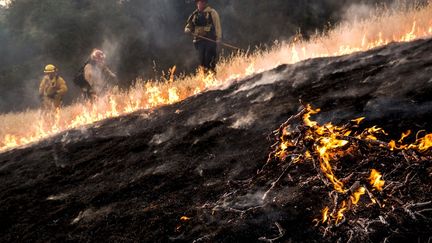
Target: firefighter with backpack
[
  {"x": 204, "y": 24},
  {"x": 95, "y": 78}
]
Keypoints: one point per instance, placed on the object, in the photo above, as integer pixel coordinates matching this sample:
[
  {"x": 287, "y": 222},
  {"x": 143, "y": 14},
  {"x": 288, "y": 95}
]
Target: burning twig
[
  {"x": 366, "y": 180},
  {"x": 301, "y": 139}
]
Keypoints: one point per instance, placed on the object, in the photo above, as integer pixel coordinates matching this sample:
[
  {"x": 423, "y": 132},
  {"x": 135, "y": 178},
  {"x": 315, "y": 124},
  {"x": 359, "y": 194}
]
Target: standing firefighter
[
  {"x": 204, "y": 24},
  {"x": 52, "y": 88},
  {"x": 95, "y": 77}
]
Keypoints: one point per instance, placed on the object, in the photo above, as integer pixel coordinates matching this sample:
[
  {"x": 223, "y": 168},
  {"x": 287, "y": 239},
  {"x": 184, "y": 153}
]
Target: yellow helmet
[{"x": 50, "y": 69}]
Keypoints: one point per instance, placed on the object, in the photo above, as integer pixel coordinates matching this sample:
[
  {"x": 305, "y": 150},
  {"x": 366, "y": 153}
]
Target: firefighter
[
  {"x": 205, "y": 22},
  {"x": 52, "y": 88},
  {"x": 95, "y": 77}
]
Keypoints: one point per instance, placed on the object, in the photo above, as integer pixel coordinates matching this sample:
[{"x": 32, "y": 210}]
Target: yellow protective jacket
[
  {"x": 52, "y": 88},
  {"x": 206, "y": 23}
]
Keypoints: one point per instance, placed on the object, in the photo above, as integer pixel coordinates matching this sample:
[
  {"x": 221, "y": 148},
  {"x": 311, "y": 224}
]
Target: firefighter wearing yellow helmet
[
  {"x": 52, "y": 88},
  {"x": 204, "y": 24}
]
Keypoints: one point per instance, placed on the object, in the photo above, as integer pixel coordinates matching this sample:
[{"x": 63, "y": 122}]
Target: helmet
[
  {"x": 97, "y": 55},
  {"x": 50, "y": 69}
]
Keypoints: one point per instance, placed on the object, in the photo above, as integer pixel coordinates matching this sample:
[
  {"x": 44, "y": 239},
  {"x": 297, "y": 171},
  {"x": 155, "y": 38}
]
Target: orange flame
[
  {"x": 375, "y": 180},
  {"x": 327, "y": 145},
  {"x": 404, "y": 135},
  {"x": 422, "y": 144},
  {"x": 325, "y": 215},
  {"x": 340, "y": 213},
  {"x": 185, "y": 218},
  {"x": 358, "y": 120},
  {"x": 355, "y": 198},
  {"x": 327, "y": 142},
  {"x": 425, "y": 143},
  {"x": 306, "y": 117},
  {"x": 338, "y": 216},
  {"x": 345, "y": 39},
  {"x": 372, "y": 133}
]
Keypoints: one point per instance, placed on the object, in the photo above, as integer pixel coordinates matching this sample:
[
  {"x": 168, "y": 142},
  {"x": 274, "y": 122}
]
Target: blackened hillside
[{"x": 133, "y": 178}]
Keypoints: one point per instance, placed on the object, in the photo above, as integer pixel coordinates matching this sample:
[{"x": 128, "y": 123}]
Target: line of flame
[{"x": 345, "y": 39}]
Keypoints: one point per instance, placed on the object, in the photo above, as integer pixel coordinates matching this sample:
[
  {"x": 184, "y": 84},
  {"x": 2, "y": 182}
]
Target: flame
[
  {"x": 325, "y": 215},
  {"x": 355, "y": 198},
  {"x": 340, "y": 213},
  {"x": 338, "y": 216},
  {"x": 358, "y": 120},
  {"x": 250, "y": 69},
  {"x": 392, "y": 145},
  {"x": 173, "y": 95},
  {"x": 327, "y": 144},
  {"x": 375, "y": 180},
  {"x": 185, "y": 218},
  {"x": 372, "y": 133},
  {"x": 172, "y": 72},
  {"x": 284, "y": 145},
  {"x": 11, "y": 141},
  {"x": 344, "y": 39},
  {"x": 306, "y": 117},
  {"x": 424, "y": 144},
  {"x": 404, "y": 135}
]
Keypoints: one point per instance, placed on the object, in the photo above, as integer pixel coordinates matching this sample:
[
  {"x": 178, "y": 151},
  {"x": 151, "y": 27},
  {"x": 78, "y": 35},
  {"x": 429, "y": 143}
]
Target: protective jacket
[
  {"x": 52, "y": 91},
  {"x": 205, "y": 23},
  {"x": 99, "y": 77}
]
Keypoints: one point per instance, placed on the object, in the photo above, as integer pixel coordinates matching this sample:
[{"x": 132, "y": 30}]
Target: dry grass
[{"x": 348, "y": 37}]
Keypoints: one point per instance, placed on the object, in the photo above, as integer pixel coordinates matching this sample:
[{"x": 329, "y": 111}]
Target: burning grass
[
  {"x": 392, "y": 26},
  {"x": 346, "y": 180},
  {"x": 332, "y": 183},
  {"x": 368, "y": 181}
]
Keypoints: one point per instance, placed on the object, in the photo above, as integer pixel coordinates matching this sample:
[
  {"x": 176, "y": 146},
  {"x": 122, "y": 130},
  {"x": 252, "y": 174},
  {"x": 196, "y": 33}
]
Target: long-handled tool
[{"x": 221, "y": 43}]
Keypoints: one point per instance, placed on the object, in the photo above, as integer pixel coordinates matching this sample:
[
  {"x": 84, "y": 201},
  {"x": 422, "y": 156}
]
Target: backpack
[
  {"x": 204, "y": 20},
  {"x": 83, "y": 84},
  {"x": 80, "y": 80}
]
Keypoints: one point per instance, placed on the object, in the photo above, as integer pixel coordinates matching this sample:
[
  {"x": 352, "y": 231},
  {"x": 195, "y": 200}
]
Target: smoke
[
  {"x": 136, "y": 35},
  {"x": 244, "y": 121},
  {"x": 358, "y": 12},
  {"x": 363, "y": 10},
  {"x": 216, "y": 113},
  {"x": 163, "y": 137}
]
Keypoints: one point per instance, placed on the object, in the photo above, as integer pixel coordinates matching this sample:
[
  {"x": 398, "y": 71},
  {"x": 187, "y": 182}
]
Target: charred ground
[{"x": 132, "y": 178}]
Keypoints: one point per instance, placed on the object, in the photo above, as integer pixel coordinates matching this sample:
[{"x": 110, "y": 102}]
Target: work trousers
[
  {"x": 51, "y": 103},
  {"x": 207, "y": 54}
]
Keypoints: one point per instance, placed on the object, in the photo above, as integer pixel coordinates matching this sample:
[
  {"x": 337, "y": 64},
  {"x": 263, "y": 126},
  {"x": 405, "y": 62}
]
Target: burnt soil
[{"x": 132, "y": 178}]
